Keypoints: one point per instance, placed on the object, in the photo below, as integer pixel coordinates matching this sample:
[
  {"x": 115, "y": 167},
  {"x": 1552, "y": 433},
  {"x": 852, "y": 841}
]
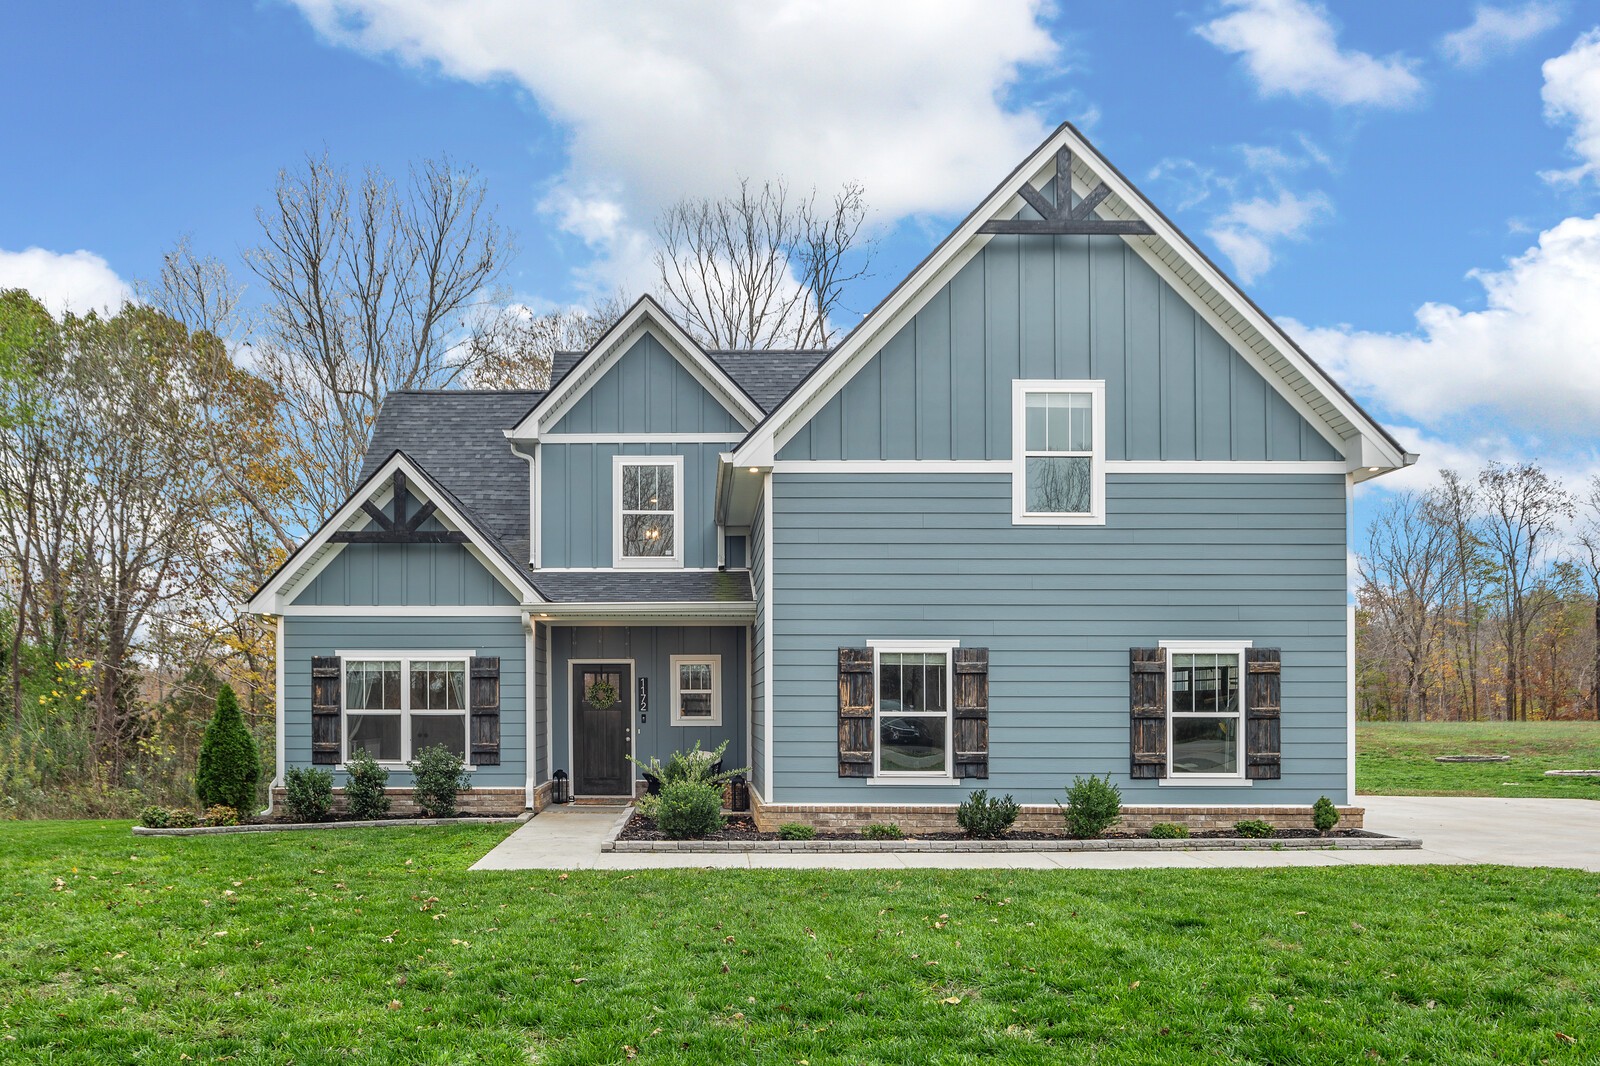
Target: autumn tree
[
  {"x": 1407, "y": 574},
  {"x": 514, "y": 348}
]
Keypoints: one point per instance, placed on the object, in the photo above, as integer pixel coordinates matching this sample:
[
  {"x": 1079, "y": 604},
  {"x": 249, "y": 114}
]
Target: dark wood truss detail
[
  {"x": 404, "y": 527},
  {"x": 1062, "y": 218}
]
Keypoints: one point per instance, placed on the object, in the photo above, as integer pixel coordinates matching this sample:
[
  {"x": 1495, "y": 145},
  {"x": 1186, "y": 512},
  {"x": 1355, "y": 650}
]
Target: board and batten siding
[
  {"x": 758, "y": 638},
  {"x": 880, "y": 556},
  {"x": 499, "y": 635},
  {"x": 577, "y": 501},
  {"x": 1064, "y": 307},
  {"x": 405, "y": 575},
  {"x": 647, "y": 391},
  {"x": 651, "y": 648}
]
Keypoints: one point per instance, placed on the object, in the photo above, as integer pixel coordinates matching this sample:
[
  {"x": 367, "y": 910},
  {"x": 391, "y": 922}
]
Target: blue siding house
[{"x": 1065, "y": 503}]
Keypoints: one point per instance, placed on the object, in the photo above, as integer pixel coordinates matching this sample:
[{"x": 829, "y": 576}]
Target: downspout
[{"x": 277, "y": 716}]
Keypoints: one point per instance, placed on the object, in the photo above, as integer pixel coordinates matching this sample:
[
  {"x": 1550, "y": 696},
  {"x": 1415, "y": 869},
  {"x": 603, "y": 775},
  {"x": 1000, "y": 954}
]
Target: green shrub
[
  {"x": 984, "y": 818},
  {"x": 221, "y": 814},
  {"x": 882, "y": 831},
  {"x": 308, "y": 793},
  {"x": 1254, "y": 828},
  {"x": 154, "y": 818},
  {"x": 365, "y": 782},
  {"x": 1094, "y": 805},
  {"x": 182, "y": 818},
  {"x": 796, "y": 831},
  {"x": 689, "y": 809},
  {"x": 1324, "y": 815},
  {"x": 229, "y": 765},
  {"x": 1169, "y": 831},
  {"x": 693, "y": 766},
  {"x": 439, "y": 775}
]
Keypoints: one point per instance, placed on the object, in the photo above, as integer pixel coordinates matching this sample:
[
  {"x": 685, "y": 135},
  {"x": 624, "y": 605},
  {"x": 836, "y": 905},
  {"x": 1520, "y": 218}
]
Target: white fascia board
[
  {"x": 646, "y": 316},
  {"x": 804, "y": 403},
  {"x": 270, "y": 600}
]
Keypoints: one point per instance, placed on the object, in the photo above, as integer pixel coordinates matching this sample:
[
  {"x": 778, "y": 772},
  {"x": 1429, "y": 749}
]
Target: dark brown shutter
[
  {"x": 1147, "y": 704},
  {"x": 972, "y": 712},
  {"x": 485, "y": 670},
  {"x": 855, "y": 712},
  {"x": 326, "y": 674},
  {"x": 1263, "y": 676}
]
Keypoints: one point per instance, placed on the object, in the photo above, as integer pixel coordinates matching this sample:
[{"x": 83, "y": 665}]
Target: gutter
[{"x": 735, "y": 612}]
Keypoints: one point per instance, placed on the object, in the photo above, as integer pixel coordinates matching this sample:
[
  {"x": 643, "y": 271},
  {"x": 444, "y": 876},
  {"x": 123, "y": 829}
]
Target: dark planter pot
[{"x": 652, "y": 783}]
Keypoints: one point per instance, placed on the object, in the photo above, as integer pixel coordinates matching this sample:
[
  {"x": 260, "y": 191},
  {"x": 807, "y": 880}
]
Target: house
[{"x": 1066, "y": 502}]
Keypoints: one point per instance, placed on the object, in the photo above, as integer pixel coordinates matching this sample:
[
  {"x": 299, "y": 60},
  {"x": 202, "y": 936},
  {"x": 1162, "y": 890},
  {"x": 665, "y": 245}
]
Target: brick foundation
[
  {"x": 942, "y": 818},
  {"x": 488, "y": 802}
]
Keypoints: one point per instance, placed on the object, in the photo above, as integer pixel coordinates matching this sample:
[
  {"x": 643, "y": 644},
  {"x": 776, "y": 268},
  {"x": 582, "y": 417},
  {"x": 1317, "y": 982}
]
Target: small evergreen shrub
[
  {"x": 221, "y": 814},
  {"x": 1324, "y": 815},
  {"x": 1094, "y": 805},
  {"x": 882, "y": 831},
  {"x": 308, "y": 793},
  {"x": 1169, "y": 831},
  {"x": 1254, "y": 828},
  {"x": 693, "y": 766},
  {"x": 365, "y": 782},
  {"x": 154, "y": 818},
  {"x": 229, "y": 765},
  {"x": 984, "y": 818},
  {"x": 182, "y": 818},
  {"x": 439, "y": 775},
  {"x": 796, "y": 831},
  {"x": 687, "y": 810}
]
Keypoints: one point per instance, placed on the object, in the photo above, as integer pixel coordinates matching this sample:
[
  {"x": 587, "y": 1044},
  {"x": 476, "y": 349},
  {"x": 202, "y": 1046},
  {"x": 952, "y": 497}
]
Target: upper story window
[
  {"x": 1059, "y": 452},
  {"x": 648, "y": 530}
]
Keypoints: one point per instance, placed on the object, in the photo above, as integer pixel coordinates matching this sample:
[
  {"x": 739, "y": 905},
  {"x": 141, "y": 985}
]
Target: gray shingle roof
[
  {"x": 767, "y": 376},
  {"x": 644, "y": 586},
  {"x": 455, "y": 435}
]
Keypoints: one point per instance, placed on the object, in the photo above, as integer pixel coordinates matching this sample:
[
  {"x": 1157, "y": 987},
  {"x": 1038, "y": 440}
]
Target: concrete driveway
[{"x": 1532, "y": 832}]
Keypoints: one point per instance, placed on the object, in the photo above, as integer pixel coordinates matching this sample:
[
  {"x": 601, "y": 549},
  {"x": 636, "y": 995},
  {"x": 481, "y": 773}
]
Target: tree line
[
  {"x": 1479, "y": 600},
  {"x": 159, "y": 460}
]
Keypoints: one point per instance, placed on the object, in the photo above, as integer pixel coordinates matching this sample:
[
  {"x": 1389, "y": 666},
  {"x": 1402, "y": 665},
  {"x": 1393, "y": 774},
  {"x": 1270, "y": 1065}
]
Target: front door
[{"x": 601, "y": 731}]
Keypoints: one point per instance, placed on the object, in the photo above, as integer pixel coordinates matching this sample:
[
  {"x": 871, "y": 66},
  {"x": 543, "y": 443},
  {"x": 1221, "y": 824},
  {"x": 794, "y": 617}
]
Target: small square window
[{"x": 696, "y": 690}]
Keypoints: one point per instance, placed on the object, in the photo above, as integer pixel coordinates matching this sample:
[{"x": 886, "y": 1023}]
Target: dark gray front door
[{"x": 600, "y": 734}]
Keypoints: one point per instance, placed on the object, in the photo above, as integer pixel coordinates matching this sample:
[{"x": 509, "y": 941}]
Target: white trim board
[
  {"x": 1005, "y": 466},
  {"x": 641, "y": 438},
  {"x": 402, "y": 611}
]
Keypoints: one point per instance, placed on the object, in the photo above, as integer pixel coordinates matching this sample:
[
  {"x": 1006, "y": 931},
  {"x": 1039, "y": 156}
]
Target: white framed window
[
  {"x": 1205, "y": 717},
  {"x": 395, "y": 705},
  {"x": 912, "y": 697},
  {"x": 696, "y": 689},
  {"x": 1058, "y": 452},
  {"x": 647, "y": 527}
]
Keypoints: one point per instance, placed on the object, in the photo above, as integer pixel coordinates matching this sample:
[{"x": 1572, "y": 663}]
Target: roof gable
[
  {"x": 1307, "y": 389},
  {"x": 646, "y": 390}
]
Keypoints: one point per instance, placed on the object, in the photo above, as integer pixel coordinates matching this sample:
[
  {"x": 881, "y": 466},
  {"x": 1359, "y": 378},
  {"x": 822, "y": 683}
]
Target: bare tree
[
  {"x": 200, "y": 292},
  {"x": 759, "y": 269},
  {"x": 513, "y": 348},
  {"x": 1457, "y": 507},
  {"x": 1525, "y": 509},
  {"x": 1586, "y": 562},
  {"x": 370, "y": 287},
  {"x": 1407, "y": 574}
]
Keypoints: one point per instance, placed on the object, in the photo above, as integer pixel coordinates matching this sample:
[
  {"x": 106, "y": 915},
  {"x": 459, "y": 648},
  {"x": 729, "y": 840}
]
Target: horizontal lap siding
[
  {"x": 501, "y": 636},
  {"x": 758, "y": 683},
  {"x": 875, "y": 557}
]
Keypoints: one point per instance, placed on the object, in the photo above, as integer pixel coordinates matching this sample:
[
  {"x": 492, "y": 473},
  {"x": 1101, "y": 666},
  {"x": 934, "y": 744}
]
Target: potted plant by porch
[{"x": 694, "y": 765}]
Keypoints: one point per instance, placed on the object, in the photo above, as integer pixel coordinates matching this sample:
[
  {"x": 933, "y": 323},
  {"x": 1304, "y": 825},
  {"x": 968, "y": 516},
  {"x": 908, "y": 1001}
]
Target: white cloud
[
  {"x": 1529, "y": 358},
  {"x": 1572, "y": 94},
  {"x": 663, "y": 101},
  {"x": 1291, "y": 46},
  {"x": 79, "y": 281},
  {"x": 1248, "y": 229},
  {"x": 1497, "y": 30}
]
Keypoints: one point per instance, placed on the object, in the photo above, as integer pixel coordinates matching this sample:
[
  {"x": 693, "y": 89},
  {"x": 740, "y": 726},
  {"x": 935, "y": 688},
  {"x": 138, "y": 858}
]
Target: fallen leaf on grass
[
  {"x": 951, "y": 1000},
  {"x": 579, "y": 980},
  {"x": 1565, "y": 1039},
  {"x": 394, "y": 1004}
]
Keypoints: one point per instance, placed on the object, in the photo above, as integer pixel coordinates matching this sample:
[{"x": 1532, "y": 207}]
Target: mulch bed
[{"x": 740, "y": 827}]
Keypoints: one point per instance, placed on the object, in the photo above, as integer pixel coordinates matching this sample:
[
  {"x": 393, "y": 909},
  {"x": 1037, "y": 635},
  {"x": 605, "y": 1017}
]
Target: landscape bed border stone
[{"x": 274, "y": 827}]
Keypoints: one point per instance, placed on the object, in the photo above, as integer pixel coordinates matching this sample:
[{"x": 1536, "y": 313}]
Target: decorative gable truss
[
  {"x": 416, "y": 499},
  {"x": 1102, "y": 201}
]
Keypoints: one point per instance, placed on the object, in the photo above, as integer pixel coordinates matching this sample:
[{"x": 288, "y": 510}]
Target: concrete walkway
[{"x": 1533, "y": 832}]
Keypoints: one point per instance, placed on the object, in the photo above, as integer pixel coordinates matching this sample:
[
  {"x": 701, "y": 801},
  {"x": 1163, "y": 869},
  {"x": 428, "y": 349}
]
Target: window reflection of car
[{"x": 900, "y": 730}]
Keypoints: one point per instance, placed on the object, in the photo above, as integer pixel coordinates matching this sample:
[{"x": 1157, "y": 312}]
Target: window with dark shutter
[
  {"x": 1147, "y": 704},
  {"x": 1262, "y": 702},
  {"x": 855, "y": 712},
  {"x": 972, "y": 712},
  {"x": 485, "y": 710},
  {"x": 325, "y": 703}
]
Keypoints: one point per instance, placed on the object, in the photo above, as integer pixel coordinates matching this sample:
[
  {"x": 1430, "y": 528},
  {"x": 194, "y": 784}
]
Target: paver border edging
[
  {"x": 1367, "y": 841},
  {"x": 381, "y": 823}
]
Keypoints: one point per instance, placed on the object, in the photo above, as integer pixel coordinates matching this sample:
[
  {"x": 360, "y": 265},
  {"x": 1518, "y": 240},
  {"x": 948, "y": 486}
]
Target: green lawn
[
  {"x": 352, "y": 947},
  {"x": 1396, "y": 759}
]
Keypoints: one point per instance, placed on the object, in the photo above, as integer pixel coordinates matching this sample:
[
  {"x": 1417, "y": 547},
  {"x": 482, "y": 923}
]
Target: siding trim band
[{"x": 1006, "y": 466}]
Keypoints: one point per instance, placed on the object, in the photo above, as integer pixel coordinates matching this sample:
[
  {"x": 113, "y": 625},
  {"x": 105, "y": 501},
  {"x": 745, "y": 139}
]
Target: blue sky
[{"x": 1413, "y": 189}]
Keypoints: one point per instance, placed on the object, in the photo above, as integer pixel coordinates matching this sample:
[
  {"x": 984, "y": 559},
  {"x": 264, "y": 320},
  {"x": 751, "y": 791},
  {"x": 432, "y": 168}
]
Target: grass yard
[
  {"x": 1396, "y": 759},
  {"x": 352, "y": 947}
]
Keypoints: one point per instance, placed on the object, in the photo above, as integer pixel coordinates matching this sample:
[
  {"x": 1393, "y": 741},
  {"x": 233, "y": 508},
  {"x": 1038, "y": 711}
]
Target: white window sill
[
  {"x": 694, "y": 723},
  {"x": 1036, "y": 519},
  {"x": 397, "y": 767},
  {"x": 915, "y": 779},
  {"x": 1204, "y": 782}
]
